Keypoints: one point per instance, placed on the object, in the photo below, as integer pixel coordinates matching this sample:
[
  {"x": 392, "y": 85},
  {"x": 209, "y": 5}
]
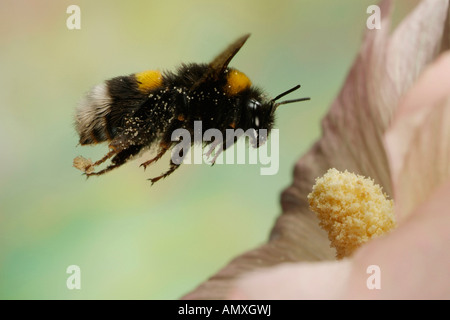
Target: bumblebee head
[{"x": 260, "y": 111}]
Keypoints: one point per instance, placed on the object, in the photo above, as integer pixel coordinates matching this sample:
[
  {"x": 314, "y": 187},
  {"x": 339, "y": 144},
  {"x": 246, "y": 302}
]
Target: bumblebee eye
[
  {"x": 254, "y": 107},
  {"x": 253, "y": 104}
]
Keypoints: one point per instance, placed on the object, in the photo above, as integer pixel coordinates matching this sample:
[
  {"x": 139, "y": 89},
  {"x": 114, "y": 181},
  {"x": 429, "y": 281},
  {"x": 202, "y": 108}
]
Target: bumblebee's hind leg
[
  {"x": 163, "y": 147},
  {"x": 106, "y": 157},
  {"x": 118, "y": 160},
  {"x": 171, "y": 170},
  {"x": 87, "y": 166}
]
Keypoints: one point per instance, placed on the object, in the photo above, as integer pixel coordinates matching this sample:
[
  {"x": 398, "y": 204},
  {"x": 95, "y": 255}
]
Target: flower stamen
[{"x": 352, "y": 209}]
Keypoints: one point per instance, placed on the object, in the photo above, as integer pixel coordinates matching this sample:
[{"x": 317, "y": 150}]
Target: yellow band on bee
[
  {"x": 149, "y": 80},
  {"x": 236, "y": 82}
]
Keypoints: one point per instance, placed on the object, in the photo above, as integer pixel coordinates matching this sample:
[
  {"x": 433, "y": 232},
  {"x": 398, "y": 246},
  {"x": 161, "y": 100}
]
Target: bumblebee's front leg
[{"x": 223, "y": 147}]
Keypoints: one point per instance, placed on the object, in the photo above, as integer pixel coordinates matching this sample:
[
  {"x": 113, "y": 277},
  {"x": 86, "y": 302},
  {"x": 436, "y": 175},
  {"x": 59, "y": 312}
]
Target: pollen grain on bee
[{"x": 215, "y": 142}]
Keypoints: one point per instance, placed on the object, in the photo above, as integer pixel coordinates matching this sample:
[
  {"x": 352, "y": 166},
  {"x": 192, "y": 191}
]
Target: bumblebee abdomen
[
  {"x": 91, "y": 115},
  {"x": 102, "y": 111}
]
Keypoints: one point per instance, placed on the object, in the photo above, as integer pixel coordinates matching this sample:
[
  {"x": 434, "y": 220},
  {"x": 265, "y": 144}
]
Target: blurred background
[{"x": 133, "y": 241}]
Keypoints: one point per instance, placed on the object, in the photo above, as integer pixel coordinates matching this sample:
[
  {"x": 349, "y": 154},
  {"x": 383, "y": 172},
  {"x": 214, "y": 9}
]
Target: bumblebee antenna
[
  {"x": 291, "y": 101},
  {"x": 286, "y": 92},
  {"x": 287, "y": 101}
]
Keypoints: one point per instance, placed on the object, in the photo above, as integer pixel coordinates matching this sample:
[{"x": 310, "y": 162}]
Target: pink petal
[
  {"x": 418, "y": 142},
  {"x": 319, "y": 280},
  {"x": 414, "y": 259}
]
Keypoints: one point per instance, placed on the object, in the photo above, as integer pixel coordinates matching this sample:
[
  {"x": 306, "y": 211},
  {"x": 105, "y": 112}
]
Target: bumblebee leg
[
  {"x": 113, "y": 151},
  {"x": 103, "y": 171},
  {"x": 87, "y": 166},
  {"x": 118, "y": 160},
  {"x": 163, "y": 147},
  {"x": 172, "y": 168},
  {"x": 212, "y": 146},
  {"x": 106, "y": 157},
  {"x": 217, "y": 154},
  {"x": 224, "y": 147}
]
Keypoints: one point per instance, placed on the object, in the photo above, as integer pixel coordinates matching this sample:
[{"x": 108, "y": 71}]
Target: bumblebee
[{"x": 140, "y": 111}]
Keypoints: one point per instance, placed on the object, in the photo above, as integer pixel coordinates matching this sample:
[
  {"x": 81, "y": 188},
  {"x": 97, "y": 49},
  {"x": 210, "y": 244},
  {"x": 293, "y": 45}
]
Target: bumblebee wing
[
  {"x": 220, "y": 63},
  {"x": 218, "y": 66}
]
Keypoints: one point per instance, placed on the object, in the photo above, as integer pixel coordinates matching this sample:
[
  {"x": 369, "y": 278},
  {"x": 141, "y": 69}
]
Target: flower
[{"x": 389, "y": 123}]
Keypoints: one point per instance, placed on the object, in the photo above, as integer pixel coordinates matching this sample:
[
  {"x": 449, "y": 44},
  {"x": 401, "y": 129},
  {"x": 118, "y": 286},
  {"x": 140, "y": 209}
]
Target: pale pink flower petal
[
  {"x": 314, "y": 280},
  {"x": 418, "y": 142},
  {"x": 414, "y": 260}
]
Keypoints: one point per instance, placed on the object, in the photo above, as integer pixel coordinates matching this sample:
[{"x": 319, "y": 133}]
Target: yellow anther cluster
[{"x": 352, "y": 209}]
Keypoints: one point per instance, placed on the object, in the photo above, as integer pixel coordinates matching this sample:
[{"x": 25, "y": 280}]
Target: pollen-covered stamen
[{"x": 352, "y": 209}]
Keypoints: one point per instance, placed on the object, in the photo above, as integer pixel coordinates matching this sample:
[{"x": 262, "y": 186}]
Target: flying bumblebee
[{"x": 139, "y": 111}]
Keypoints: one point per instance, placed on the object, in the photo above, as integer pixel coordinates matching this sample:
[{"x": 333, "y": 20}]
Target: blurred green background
[{"x": 133, "y": 241}]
